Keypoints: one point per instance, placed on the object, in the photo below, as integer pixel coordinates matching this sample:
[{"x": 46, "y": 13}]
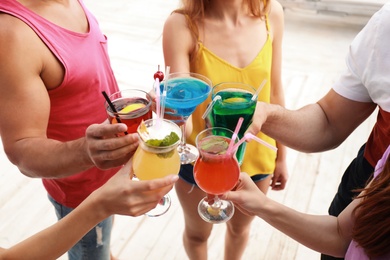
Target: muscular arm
[
  {"x": 315, "y": 127},
  {"x": 25, "y": 106}
]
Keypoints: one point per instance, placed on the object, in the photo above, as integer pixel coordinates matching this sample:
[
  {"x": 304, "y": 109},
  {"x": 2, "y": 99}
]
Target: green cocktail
[{"x": 235, "y": 102}]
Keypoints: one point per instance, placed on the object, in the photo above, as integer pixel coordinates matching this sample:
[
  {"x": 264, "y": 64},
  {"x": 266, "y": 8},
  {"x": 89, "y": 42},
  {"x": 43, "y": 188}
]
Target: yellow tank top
[{"x": 258, "y": 159}]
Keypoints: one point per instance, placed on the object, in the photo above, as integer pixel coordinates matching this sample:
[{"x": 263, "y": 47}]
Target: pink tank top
[{"x": 77, "y": 102}]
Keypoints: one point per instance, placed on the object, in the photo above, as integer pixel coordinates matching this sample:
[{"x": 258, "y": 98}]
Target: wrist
[{"x": 95, "y": 203}]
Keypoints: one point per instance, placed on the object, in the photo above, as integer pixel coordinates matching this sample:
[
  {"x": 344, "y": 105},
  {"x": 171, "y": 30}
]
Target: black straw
[{"x": 112, "y": 108}]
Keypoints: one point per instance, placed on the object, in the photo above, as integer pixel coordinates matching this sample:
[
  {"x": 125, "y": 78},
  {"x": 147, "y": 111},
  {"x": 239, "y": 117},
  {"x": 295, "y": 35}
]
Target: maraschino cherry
[{"x": 159, "y": 74}]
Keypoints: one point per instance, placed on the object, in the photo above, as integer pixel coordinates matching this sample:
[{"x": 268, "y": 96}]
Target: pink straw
[
  {"x": 234, "y": 136},
  {"x": 249, "y": 136},
  {"x": 158, "y": 94},
  {"x": 164, "y": 92}
]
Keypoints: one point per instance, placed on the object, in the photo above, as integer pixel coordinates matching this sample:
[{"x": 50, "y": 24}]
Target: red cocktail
[
  {"x": 132, "y": 106},
  {"x": 216, "y": 171}
]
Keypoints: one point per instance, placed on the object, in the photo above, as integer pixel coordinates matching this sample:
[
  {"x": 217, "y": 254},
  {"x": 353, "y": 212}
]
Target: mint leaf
[{"x": 167, "y": 141}]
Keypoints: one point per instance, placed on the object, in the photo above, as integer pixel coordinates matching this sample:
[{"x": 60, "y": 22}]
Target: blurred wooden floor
[{"x": 314, "y": 52}]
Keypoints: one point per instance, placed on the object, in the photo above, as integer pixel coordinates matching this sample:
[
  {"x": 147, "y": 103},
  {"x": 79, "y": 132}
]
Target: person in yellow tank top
[{"x": 228, "y": 41}]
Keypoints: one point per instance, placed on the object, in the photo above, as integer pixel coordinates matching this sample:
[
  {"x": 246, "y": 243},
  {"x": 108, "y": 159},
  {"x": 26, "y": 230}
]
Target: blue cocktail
[{"x": 184, "y": 92}]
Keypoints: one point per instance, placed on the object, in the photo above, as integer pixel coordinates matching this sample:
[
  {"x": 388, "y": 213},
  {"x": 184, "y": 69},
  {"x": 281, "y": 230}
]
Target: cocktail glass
[
  {"x": 157, "y": 155},
  {"x": 216, "y": 172},
  {"x": 132, "y": 106},
  {"x": 235, "y": 102},
  {"x": 184, "y": 92}
]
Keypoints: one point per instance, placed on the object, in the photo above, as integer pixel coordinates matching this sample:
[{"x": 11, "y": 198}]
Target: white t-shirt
[{"x": 367, "y": 78}]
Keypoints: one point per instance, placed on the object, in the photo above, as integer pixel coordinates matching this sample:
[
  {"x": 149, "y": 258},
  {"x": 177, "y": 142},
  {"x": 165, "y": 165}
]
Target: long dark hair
[{"x": 371, "y": 230}]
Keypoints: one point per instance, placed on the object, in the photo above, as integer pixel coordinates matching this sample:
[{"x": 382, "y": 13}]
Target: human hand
[
  {"x": 280, "y": 176},
  {"x": 259, "y": 117},
  {"x": 105, "y": 148},
  {"x": 123, "y": 196},
  {"x": 246, "y": 196}
]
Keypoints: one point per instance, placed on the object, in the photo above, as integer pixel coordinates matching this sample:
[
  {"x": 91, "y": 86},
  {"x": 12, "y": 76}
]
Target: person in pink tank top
[{"x": 54, "y": 66}]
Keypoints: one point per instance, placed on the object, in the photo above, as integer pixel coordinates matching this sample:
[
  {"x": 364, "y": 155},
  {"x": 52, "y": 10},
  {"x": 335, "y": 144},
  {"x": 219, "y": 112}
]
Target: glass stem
[
  {"x": 217, "y": 202},
  {"x": 182, "y": 145}
]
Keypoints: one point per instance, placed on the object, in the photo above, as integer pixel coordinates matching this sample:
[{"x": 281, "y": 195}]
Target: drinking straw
[
  {"x": 158, "y": 96},
  {"x": 234, "y": 136},
  {"x": 254, "y": 97},
  {"x": 112, "y": 108},
  {"x": 249, "y": 136},
  {"x": 208, "y": 110},
  {"x": 164, "y": 93}
]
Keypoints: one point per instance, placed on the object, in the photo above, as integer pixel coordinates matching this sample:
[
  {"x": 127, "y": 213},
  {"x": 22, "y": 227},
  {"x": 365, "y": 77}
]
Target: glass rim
[
  {"x": 191, "y": 73},
  {"x": 250, "y": 90},
  {"x": 136, "y": 112},
  {"x": 234, "y": 83},
  {"x": 210, "y": 129},
  {"x": 160, "y": 149}
]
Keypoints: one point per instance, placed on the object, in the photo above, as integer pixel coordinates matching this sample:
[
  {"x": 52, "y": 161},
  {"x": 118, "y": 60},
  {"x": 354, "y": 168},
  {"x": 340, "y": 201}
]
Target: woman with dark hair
[{"x": 360, "y": 232}]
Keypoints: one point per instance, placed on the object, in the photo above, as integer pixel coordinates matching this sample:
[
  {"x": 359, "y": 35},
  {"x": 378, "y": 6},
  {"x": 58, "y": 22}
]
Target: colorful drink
[
  {"x": 157, "y": 156},
  {"x": 216, "y": 172},
  {"x": 235, "y": 102},
  {"x": 132, "y": 107},
  {"x": 184, "y": 94}
]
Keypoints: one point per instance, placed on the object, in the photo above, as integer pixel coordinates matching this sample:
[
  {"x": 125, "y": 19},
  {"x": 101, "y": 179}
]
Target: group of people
[{"x": 79, "y": 157}]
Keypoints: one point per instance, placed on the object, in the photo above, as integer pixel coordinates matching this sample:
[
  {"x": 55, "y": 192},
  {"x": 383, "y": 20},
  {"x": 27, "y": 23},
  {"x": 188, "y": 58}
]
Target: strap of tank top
[{"x": 266, "y": 18}]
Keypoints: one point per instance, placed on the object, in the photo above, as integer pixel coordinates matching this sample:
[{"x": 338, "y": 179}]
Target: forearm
[
  {"x": 304, "y": 129},
  {"x": 56, "y": 240},
  {"x": 319, "y": 233},
  {"x": 47, "y": 158}
]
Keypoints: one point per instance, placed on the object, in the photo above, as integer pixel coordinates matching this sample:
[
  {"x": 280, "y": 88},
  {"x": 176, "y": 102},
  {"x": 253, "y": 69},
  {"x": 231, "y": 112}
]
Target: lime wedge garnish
[{"x": 217, "y": 145}]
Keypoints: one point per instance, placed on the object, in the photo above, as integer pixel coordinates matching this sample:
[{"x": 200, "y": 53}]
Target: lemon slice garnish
[
  {"x": 132, "y": 107},
  {"x": 213, "y": 211},
  {"x": 235, "y": 100},
  {"x": 143, "y": 131}
]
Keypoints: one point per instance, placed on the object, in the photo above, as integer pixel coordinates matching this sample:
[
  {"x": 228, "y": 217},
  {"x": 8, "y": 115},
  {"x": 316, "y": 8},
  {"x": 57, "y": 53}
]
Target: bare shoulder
[
  {"x": 276, "y": 17},
  {"x": 176, "y": 27},
  {"x": 276, "y": 13},
  {"x": 14, "y": 36},
  {"x": 12, "y": 28},
  {"x": 176, "y": 22}
]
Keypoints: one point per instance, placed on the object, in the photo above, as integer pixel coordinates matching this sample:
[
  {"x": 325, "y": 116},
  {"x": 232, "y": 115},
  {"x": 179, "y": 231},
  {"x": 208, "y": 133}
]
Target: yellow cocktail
[
  {"x": 155, "y": 162},
  {"x": 157, "y": 154}
]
